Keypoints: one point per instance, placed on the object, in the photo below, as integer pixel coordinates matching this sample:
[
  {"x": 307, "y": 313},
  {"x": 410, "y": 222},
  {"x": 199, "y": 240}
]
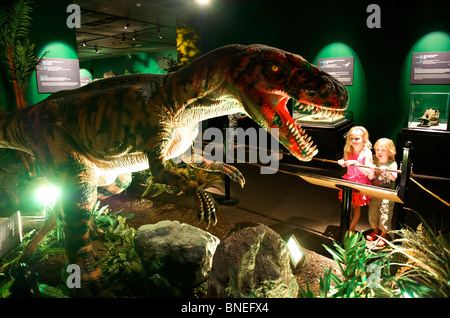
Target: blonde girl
[
  {"x": 357, "y": 151},
  {"x": 381, "y": 210}
]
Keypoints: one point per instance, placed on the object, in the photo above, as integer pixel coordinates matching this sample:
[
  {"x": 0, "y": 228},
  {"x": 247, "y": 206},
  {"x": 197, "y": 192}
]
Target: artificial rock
[
  {"x": 252, "y": 261},
  {"x": 180, "y": 252}
]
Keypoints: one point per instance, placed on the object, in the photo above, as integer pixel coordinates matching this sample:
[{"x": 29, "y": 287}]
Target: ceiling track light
[
  {"x": 123, "y": 39},
  {"x": 84, "y": 43},
  {"x": 134, "y": 36},
  {"x": 96, "y": 49},
  {"x": 159, "y": 32},
  {"x": 126, "y": 26}
]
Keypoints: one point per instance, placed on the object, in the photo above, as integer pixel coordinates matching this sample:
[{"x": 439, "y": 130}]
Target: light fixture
[
  {"x": 126, "y": 26},
  {"x": 203, "y": 2},
  {"x": 96, "y": 50},
  {"x": 123, "y": 39},
  {"x": 47, "y": 194},
  {"x": 295, "y": 252},
  {"x": 84, "y": 43},
  {"x": 159, "y": 33},
  {"x": 134, "y": 36}
]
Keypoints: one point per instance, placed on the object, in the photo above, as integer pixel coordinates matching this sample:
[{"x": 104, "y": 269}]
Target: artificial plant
[{"x": 17, "y": 50}]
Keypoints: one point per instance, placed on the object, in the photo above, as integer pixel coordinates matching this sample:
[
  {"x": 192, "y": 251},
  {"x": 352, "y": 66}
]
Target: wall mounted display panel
[
  {"x": 430, "y": 68},
  {"x": 55, "y": 74},
  {"x": 340, "y": 68},
  {"x": 429, "y": 111}
]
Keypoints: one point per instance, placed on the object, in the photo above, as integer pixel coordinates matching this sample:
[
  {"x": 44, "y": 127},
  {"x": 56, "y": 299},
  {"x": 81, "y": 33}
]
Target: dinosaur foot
[
  {"x": 91, "y": 283},
  {"x": 206, "y": 207}
]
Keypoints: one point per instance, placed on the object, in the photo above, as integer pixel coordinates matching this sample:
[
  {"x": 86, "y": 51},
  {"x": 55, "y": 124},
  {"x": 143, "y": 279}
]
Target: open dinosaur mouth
[{"x": 291, "y": 134}]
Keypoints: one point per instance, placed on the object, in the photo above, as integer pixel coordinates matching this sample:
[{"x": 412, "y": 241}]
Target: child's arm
[
  {"x": 392, "y": 175},
  {"x": 343, "y": 162},
  {"x": 368, "y": 161}
]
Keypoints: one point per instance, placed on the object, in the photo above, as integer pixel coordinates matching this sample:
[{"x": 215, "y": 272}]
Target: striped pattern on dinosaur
[{"x": 97, "y": 135}]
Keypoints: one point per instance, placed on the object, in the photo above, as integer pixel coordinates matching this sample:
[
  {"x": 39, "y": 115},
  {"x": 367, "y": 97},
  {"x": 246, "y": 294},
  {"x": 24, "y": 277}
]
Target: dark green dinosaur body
[{"x": 90, "y": 137}]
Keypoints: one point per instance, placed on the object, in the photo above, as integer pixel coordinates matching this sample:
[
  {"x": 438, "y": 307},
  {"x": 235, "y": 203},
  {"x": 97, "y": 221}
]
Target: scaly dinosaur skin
[{"x": 93, "y": 136}]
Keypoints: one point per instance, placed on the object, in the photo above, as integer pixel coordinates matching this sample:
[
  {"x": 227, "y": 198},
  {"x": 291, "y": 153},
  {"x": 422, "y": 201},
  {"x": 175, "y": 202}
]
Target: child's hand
[
  {"x": 383, "y": 168},
  {"x": 352, "y": 162},
  {"x": 341, "y": 162}
]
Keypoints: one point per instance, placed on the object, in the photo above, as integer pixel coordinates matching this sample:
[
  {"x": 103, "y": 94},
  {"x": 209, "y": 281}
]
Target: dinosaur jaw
[{"x": 291, "y": 135}]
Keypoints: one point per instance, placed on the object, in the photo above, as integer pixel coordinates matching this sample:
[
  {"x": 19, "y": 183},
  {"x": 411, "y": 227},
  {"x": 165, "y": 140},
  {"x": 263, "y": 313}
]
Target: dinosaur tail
[{"x": 11, "y": 134}]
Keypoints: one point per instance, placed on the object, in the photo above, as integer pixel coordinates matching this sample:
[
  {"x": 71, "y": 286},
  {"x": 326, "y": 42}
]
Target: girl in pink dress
[{"x": 357, "y": 151}]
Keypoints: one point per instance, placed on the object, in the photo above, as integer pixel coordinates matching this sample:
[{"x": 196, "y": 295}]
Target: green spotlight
[
  {"x": 295, "y": 252},
  {"x": 47, "y": 195}
]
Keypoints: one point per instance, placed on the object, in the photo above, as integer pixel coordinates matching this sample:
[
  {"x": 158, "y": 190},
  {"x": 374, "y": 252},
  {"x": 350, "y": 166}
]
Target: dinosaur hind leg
[{"x": 79, "y": 197}]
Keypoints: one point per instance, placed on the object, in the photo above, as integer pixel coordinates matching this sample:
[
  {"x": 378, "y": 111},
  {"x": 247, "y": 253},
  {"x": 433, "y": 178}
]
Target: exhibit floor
[{"x": 286, "y": 203}]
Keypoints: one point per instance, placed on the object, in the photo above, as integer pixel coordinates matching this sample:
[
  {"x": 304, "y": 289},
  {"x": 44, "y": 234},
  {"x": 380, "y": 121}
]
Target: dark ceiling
[{"x": 151, "y": 23}]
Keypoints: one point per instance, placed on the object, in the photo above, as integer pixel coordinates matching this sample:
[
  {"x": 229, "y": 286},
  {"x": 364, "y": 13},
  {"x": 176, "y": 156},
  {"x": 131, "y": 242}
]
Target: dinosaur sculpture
[{"x": 94, "y": 137}]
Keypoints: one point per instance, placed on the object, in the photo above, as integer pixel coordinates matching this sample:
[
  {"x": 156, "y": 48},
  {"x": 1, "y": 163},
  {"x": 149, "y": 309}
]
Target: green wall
[
  {"x": 379, "y": 97},
  {"x": 50, "y": 34},
  {"x": 358, "y": 91},
  {"x": 436, "y": 41}
]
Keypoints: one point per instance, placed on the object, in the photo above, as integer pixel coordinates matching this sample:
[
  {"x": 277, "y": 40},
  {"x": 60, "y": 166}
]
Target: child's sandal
[{"x": 371, "y": 237}]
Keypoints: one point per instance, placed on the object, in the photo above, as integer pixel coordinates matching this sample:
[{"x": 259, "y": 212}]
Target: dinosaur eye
[{"x": 275, "y": 71}]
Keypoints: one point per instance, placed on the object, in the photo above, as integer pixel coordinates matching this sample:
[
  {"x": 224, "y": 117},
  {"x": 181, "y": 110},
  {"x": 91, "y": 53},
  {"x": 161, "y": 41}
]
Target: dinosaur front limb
[
  {"x": 199, "y": 162},
  {"x": 206, "y": 209}
]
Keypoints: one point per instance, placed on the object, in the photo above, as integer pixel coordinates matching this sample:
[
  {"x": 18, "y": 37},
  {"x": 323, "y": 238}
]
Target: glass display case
[
  {"x": 306, "y": 117},
  {"x": 429, "y": 111}
]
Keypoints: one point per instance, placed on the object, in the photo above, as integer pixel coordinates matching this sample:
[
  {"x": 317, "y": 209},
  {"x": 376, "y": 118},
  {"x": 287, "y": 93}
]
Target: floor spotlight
[{"x": 295, "y": 252}]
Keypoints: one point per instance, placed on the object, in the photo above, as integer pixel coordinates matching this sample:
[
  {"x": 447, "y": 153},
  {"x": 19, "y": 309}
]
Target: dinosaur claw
[{"x": 206, "y": 208}]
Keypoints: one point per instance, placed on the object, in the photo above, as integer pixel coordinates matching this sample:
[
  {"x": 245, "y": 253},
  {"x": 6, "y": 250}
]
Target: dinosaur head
[{"x": 263, "y": 79}]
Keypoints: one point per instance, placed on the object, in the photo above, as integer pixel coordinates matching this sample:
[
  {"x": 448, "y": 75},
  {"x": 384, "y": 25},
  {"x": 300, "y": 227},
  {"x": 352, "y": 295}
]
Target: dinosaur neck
[{"x": 200, "y": 90}]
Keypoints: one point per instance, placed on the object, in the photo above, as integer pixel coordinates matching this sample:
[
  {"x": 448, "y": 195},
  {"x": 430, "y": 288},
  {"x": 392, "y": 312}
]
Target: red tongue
[{"x": 283, "y": 112}]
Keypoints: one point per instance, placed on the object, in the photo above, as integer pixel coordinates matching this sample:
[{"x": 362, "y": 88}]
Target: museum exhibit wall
[
  {"x": 380, "y": 94},
  {"x": 50, "y": 34}
]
